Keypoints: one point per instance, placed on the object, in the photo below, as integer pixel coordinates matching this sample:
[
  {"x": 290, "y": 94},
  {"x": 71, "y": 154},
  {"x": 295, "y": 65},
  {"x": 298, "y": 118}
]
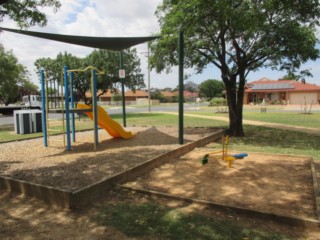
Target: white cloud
[{"x": 108, "y": 18}]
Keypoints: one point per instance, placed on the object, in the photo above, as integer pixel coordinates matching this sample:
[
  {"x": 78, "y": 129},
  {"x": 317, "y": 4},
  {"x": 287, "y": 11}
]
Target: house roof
[
  {"x": 137, "y": 93},
  {"x": 267, "y": 85},
  {"x": 168, "y": 94},
  {"x": 186, "y": 94}
]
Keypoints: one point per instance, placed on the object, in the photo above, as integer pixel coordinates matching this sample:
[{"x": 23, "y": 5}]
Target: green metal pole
[
  {"x": 123, "y": 95},
  {"x": 181, "y": 89}
]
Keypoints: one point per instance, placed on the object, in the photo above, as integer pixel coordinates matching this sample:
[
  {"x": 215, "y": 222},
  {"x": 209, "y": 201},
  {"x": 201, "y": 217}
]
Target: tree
[
  {"x": 104, "y": 60},
  {"x": 12, "y": 76},
  {"x": 293, "y": 76},
  {"x": 211, "y": 88},
  {"x": 26, "y": 13},
  {"x": 191, "y": 86},
  {"x": 237, "y": 37},
  {"x": 157, "y": 95},
  {"x": 27, "y": 88},
  {"x": 109, "y": 62}
]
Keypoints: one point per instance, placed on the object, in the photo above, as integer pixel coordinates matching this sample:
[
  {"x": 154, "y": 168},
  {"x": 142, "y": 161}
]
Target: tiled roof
[
  {"x": 186, "y": 94},
  {"x": 168, "y": 94},
  {"x": 137, "y": 93},
  {"x": 265, "y": 84}
]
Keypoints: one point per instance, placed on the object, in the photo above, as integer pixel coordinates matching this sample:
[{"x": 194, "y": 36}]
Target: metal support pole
[
  {"x": 123, "y": 95},
  {"x": 181, "y": 87},
  {"x": 95, "y": 108},
  {"x": 149, "y": 97},
  {"x": 73, "y": 123},
  {"x": 66, "y": 102},
  {"x": 43, "y": 108}
]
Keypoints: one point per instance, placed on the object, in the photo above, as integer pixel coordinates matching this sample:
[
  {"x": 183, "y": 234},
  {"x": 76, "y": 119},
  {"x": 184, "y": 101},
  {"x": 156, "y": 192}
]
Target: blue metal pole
[
  {"x": 66, "y": 101},
  {"x": 73, "y": 123},
  {"x": 95, "y": 107},
  {"x": 43, "y": 108}
]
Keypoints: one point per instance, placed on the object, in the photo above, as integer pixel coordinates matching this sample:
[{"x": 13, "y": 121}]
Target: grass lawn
[
  {"x": 269, "y": 140},
  {"x": 289, "y": 118},
  {"x": 151, "y": 221}
]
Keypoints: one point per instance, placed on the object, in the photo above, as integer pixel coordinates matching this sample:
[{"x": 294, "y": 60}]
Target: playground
[{"x": 54, "y": 166}]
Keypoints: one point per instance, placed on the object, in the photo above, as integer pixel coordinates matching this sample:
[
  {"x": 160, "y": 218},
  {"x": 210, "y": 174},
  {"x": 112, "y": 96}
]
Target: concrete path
[{"x": 313, "y": 131}]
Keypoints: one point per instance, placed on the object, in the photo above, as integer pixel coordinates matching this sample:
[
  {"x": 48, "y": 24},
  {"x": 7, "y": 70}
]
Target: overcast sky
[{"x": 110, "y": 18}]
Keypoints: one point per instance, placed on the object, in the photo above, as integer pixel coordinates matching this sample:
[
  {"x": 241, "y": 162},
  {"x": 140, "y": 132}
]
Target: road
[{"x": 7, "y": 120}]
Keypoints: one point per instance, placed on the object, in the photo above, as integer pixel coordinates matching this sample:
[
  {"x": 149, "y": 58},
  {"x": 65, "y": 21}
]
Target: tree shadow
[{"x": 4, "y": 165}]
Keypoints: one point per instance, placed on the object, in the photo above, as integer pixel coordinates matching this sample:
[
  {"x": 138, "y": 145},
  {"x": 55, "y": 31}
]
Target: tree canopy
[
  {"x": 238, "y": 37},
  {"x": 211, "y": 88},
  {"x": 27, "y": 13},
  {"x": 14, "y": 78},
  {"x": 104, "y": 60},
  {"x": 190, "y": 86}
]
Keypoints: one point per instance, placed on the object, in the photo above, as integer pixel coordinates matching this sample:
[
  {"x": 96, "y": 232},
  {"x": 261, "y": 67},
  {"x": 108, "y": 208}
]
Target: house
[
  {"x": 134, "y": 96},
  {"x": 188, "y": 96},
  {"x": 170, "y": 96},
  {"x": 129, "y": 95},
  {"x": 281, "y": 91}
]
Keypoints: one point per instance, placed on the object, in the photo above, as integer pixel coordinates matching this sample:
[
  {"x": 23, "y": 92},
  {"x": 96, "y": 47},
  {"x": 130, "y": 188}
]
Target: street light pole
[{"x": 149, "y": 96}]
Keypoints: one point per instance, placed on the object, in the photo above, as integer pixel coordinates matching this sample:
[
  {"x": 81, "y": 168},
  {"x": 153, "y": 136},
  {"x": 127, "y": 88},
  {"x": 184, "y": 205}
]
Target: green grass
[
  {"x": 149, "y": 221},
  {"x": 8, "y": 134},
  {"x": 289, "y": 118},
  {"x": 269, "y": 140},
  {"x": 158, "y": 119}
]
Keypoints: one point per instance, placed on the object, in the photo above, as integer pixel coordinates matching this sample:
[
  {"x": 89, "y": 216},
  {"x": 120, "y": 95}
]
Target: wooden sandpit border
[
  {"x": 290, "y": 220},
  {"x": 61, "y": 198}
]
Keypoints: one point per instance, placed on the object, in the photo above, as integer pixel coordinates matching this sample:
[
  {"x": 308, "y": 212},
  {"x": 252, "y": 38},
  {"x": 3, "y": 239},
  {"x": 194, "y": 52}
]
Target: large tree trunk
[{"x": 235, "y": 106}]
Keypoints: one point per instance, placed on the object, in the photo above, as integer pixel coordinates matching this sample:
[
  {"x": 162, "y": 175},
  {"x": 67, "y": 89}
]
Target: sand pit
[
  {"x": 276, "y": 184},
  {"x": 70, "y": 170}
]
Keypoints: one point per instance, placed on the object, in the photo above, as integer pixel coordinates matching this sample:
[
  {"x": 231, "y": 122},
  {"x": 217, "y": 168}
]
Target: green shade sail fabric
[{"x": 108, "y": 43}]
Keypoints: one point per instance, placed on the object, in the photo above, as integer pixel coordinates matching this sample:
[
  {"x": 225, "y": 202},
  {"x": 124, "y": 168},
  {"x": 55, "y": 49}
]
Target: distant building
[
  {"x": 140, "y": 95},
  {"x": 281, "y": 92}
]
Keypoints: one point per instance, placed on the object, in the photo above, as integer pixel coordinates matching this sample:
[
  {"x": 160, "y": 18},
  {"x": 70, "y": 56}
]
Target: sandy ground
[
  {"x": 70, "y": 170},
  {"x": 275, "y": 184}
]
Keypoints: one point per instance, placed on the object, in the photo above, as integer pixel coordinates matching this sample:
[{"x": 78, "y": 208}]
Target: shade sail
[{"x": 109, "y": 43}]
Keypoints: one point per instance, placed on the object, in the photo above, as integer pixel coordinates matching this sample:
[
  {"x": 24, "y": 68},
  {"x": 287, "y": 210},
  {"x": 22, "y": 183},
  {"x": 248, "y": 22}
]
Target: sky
[{"x": 110, "y": 18}]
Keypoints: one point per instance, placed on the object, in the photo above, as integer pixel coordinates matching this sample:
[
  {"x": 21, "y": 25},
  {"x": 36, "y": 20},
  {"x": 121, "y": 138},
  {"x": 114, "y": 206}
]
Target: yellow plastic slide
[{"x": 104, "y": 121}]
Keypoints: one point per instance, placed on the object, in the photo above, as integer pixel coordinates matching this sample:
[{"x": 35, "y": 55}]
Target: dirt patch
[
  {"x": 25, "y": 218},
  {"x": 70, "y": 170},
  {"x": 275, "y": 184}
]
